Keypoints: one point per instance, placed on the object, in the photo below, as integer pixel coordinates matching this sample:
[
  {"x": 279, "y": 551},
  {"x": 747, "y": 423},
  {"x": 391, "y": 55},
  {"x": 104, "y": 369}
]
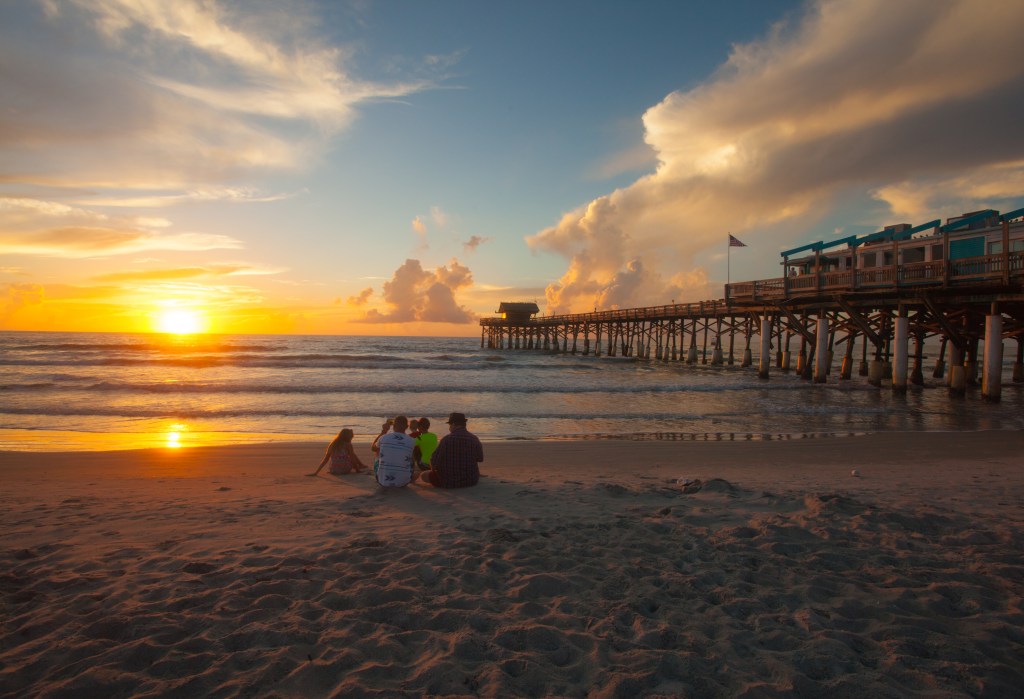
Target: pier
[{"x": 866, "y": 304}]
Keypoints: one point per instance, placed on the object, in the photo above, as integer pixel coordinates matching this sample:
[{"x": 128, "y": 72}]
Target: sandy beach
[{"x": 574, "y": 569}]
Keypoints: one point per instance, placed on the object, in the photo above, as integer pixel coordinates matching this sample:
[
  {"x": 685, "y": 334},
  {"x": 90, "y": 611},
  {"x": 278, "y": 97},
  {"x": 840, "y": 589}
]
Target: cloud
[
  {"x": 474, "y": 242},
  {"x": 857, "y": 98},
  {"x": 37, "y": 227},
  {"x": 361, "y": 298},
  {"x": 165, "y": 199},
  {"x": 193, "y": 91},
  {"x": 437, "y": 219},
  {"x": 81, "y": 241},
  {"x": 641, "y": 157},
  {"x": 206, "y": 271},
  {"x": 920, "y": 198},
  {"x": 18, "y": 296},
  {"x": 414, "y": 294}
]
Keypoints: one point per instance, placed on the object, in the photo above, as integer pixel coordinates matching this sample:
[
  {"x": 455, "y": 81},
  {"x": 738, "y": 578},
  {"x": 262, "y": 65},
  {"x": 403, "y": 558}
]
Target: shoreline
[
  {"x": 575, "y": 568},
  {"x": 42, "y": 441}
]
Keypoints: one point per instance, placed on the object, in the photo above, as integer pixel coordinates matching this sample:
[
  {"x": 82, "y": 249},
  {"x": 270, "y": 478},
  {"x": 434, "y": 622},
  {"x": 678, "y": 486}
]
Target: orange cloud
[
  {"x": 417, "y": 295},
  {"x": 361, "y": 298},
  {"x": 221, "y": 270}
]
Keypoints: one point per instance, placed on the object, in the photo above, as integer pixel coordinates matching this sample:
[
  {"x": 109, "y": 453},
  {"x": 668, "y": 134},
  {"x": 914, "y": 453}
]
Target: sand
[{"x": 574, "y": 569}]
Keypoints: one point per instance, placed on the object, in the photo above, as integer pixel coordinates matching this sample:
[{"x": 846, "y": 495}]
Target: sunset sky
[{"x": 400, "y": 167}]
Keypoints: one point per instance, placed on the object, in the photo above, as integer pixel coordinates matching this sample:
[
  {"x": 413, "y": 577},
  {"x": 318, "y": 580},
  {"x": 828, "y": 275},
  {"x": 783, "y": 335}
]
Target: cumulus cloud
[
  {"x": 919, "y": 198},
  {"x": 855, "y": 98},
  {"x": 193, "y": 91},
  {"x": 415, "y": 294}
]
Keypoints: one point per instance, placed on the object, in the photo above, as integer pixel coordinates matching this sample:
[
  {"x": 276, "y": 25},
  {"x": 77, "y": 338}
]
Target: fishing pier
[{"x": 875, "y": 300}]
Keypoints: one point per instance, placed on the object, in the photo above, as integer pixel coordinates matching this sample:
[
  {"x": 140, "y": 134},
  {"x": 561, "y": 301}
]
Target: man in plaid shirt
[{"x": 454, "y": 463}]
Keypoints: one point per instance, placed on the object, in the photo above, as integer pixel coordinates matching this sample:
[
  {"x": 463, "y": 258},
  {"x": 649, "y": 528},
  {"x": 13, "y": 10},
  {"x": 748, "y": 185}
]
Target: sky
[{"x": 397, "y": 167}]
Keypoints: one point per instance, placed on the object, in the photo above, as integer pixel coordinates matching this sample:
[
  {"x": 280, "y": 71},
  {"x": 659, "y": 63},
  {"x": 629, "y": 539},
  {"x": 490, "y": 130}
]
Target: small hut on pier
[{"x": 515, "y": 312}]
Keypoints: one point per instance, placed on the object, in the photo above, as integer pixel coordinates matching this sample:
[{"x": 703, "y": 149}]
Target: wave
[
  {"x": 193, "y": 387},
  {"x": 155, "y": 412},
  {"x": 139, "y": 347},
  {"x": 310, "y": 361}
]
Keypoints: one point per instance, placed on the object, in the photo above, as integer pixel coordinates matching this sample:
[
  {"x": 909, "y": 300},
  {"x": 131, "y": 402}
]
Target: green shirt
[{"x": 427, "y": 443}]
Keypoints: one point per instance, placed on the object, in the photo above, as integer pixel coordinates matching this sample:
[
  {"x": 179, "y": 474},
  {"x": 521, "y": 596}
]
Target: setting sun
[{"x": 180, "y": 321}]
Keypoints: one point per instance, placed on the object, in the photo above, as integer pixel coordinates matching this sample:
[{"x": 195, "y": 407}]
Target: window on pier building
[
  {"x": 996, "y": 246},
  {"x": 867, "y": 260},
  {"x": 937, "y": 252},
  {"x": 912, "y": 255}
]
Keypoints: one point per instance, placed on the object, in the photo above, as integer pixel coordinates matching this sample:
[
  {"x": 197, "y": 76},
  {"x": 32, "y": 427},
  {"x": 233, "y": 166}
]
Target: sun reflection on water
[{"x": 174, "y": 436}]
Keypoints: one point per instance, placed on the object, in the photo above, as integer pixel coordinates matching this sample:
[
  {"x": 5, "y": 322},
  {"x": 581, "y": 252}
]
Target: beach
[{"x": 575, "y": 568}]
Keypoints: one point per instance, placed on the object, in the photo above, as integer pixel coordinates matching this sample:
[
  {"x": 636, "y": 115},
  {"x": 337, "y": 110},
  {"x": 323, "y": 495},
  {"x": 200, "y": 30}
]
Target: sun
[{"x": 180, "y": 321}]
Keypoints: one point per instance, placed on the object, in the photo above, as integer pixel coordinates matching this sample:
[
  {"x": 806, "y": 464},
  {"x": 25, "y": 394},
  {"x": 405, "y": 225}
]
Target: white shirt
[{"x": 394, "y": 460}]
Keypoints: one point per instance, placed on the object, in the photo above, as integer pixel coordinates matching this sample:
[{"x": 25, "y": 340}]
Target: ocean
[{"x": 81, "y": 391}]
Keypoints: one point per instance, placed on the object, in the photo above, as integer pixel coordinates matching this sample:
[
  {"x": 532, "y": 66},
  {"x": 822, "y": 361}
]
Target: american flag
[{"x": 735, "y": 242}]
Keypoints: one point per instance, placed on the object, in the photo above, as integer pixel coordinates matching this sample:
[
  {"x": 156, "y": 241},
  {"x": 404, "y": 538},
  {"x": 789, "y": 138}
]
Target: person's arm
[
  {"x": 383, "y": 431},
  {"x": 327, "y": 457}
]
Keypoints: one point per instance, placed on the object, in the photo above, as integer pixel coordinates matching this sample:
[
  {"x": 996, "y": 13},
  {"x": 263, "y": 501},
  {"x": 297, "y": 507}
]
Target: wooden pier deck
[{"x": 964, "y": 302}]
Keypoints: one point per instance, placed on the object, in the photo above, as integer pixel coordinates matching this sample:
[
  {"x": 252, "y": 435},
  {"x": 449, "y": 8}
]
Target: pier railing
[
  {"x": 671, "y": 310},
  {"x": 964, "y": 271},
  {"x": 968, "y": 302}
]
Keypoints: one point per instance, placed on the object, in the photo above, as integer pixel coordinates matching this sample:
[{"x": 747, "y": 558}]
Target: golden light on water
[{"x": 174, "y": 436}]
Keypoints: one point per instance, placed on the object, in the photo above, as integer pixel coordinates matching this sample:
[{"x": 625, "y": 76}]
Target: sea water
[{"x": 105, "y": 390}]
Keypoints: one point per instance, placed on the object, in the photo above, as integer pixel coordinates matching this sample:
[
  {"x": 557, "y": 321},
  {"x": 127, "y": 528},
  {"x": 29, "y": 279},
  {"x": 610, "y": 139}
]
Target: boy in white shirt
[{"x": 397, "y": 454}]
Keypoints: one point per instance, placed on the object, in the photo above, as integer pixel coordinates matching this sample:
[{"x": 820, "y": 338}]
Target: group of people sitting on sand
[{"x": 401, "y": 459}]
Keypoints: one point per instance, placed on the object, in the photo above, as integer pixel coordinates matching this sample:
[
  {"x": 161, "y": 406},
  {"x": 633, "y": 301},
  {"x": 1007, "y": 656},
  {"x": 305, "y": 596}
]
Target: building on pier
[
  {"x": 959, "y": 284},
  {"x": 517, "y": 312}
]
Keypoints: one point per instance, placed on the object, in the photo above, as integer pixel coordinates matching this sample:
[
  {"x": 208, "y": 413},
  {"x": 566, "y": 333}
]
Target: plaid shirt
[{"x": 456, "y": 457}]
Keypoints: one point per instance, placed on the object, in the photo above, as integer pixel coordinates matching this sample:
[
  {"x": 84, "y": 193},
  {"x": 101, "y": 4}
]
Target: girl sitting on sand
[{"x": 342, "y": 456}]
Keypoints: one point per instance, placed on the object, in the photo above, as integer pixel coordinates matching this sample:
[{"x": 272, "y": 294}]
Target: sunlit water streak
[{"x": 94, "y": 391}]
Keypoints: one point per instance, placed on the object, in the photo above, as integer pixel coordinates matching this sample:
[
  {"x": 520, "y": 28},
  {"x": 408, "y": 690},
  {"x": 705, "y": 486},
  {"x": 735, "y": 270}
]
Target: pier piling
[{"x": 887, "y": 288}]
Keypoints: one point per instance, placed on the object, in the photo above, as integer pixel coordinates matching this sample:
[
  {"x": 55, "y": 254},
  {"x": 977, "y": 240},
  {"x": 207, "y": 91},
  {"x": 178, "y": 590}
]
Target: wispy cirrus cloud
[
  {"x": 196, "y": 272},
  {"x": 156, "y": 200},
  {"x": 915, "y": 103},
  {"x": 81, "y": 241},
  {"x": 192, "y": 92},
  {"x": 53, "y": 229}
]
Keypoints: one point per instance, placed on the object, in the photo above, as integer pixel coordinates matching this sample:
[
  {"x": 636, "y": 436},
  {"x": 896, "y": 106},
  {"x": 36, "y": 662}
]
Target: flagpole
[{"x": 728, "y": 261}]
